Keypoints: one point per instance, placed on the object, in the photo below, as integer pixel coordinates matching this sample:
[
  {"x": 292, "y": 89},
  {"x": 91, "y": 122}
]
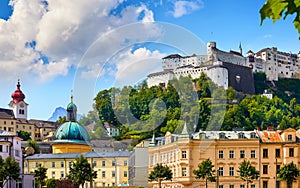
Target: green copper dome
[
  {"x": 71, "y": 106},
  {"x": 72, "y": 132}
]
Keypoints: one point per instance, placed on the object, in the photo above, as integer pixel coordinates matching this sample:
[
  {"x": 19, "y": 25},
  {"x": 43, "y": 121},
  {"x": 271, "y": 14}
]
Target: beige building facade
[{"x": 266, "y": 150}]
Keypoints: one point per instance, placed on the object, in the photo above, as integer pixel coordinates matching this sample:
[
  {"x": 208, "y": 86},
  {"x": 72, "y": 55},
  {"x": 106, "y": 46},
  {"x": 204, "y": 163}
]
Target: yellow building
[
  {"x": 267, "y": 151},
  {"x": 278, "y": 148},
  {"x": 111, "y": 167},
  {"x": 71, "y": 141},
  {"x": 226, "y": 150}
]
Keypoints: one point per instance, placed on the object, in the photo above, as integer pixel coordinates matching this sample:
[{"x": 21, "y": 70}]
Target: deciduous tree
[
  {"x": 9, "y": 170},
  {"x": 40, "y": 175},
  {"x": 289, "y": 173},
  {"x": 205, "y": 171},
  {"x": 81, "y": 171},
  {"x": 160, "y": 173},
  {"x": 247, "y": 172}
]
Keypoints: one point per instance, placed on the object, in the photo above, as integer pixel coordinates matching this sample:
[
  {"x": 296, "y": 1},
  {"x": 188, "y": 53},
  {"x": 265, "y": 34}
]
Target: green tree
[
  {"x": 247, "y": 172},
  {"x": 34, "y": 145},
  {"x": 81, "y": 171},
  {"x": 24, "y": 135},
  {"x": 160, "y": 173},
  {"x": 51, "y": 183},
  {"x": 205, "y": 171},
  {"x": 289, "y": 173},
  {"x": 278, "y": 9},
  {"x": 9, "y": 170},
  {"x": 40, "y": 175}
]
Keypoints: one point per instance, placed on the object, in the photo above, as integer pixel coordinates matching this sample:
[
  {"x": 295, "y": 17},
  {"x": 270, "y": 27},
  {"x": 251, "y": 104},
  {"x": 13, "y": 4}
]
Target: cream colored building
[
  {"x": 266, "y": 151},
  {"x": 111, "y": 167}
]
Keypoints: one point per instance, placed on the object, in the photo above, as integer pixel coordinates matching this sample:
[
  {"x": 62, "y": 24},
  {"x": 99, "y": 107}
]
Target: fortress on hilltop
[{"x": 229, "y": 68}]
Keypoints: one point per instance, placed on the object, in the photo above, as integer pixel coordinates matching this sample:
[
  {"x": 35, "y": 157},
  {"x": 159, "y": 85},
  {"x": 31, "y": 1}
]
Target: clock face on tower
[{"x": 22, "y": 105}]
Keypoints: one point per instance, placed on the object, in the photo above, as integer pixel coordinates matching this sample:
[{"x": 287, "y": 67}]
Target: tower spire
[
  {"x": 72, "y": 110},
  {"x": 240, "y": 48}
]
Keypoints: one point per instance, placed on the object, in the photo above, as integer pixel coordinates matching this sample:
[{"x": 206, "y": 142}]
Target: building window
[
  {"x": 125, "y": 174},
  {"x": 242, "y": 154},
  {"x": 220, "y": 186},
  {"x": 253, "y": 186},
  {"x": 53, "y": 164},
  {"x": 53, "y": 174},
  {"x": 277, "y": 169},
  {"x": 183, "y": 154},
  {"x": 252, "y": 153},
  {"x": 241, "y": 135},
  {"x": 125, "y": 163},
  {"x": 220, "y": 171},
  {"x": 265, "y": 169},
  {"x": 4, "y": 122},
  {"x": 103, "y": 174},
  {"x": 113, "y": 174},
  {"x": 94, "y": 163},
  {"x": 1, "y": 148},
  {"x": 183, "y": 170},
  {"x": 277, "y": 153},
  {"x": 291, "y": 152},
  {"x": 62, "y": 174},
  {"x": 231, "y": 154},
  {"x": 290, "y": 137},
  {"x": 62, "y": 164},
  {"x": 70, "y": 164},
  {"x": 265, "y": 153},
  {"x": 231, "y": 186},
  {"x": 36, "y": 164},
  {"x": 252, "y": 135},
  {"x": 277, "y": 184},
  {"x": 242, "y": 186},
  {"x": 221, "y": 154},
  {"x": 231, "y": 171},
  {"x": 103, "y": 163},
  {"x": 113, "y": 163},
  {"x": 222, "y": 135},
  {"x": 265, "y": 184}
]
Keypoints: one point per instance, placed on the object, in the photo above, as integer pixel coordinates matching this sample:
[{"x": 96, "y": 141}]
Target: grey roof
[
  {"x": 77, "y": 155},
  {"x": 6, "y": 113},
  {"x": 5, "y": 133},
  {"x": 225, "y": 134}
]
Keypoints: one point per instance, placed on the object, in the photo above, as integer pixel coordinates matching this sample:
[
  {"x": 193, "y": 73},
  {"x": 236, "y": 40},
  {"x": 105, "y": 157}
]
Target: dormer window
[
  {"x": 290, "y": 137},
  {"x": 253, "y": 135},
  {"x": 222, "y": 135},
  {"x": 241, "y": 135}
]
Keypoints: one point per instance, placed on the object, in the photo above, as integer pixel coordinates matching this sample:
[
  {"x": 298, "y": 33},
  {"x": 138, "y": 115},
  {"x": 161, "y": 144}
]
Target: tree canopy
[
  {"x": 289, "y": 172},
  {"x": 280, "y": 9},
  {"x": 40, "y": 175},
  {"x": 81, "y": 171},
  {"x": 9, "y": 169},
  {"x": 24, "y": 135},
  {"x": 247, "y": 172},
  {"x": 205, "y": 171},
  {"x": 160, "y": 173}
]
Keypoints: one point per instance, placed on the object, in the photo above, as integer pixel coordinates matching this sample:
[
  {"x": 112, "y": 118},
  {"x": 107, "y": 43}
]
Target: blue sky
[{"x": 54, "y": 46}]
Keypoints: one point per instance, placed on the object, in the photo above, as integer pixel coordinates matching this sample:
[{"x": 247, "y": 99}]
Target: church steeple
[
  {"x": 17, "y": 104},
  {"x": 241, "y": 49},
  {"x": 71, "y": 111}
]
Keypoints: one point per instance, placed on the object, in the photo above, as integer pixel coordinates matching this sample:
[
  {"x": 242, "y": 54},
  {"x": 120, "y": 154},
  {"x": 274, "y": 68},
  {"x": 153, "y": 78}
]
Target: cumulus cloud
[
  {"x": 184, "y": 7},
  {"x": 60, "y": 31}
]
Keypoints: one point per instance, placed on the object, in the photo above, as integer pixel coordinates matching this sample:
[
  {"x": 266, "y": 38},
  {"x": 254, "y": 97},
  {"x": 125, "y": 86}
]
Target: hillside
[{"x": 284, "y": 88}]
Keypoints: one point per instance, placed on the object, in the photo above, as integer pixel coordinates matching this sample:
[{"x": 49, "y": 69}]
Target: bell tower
[{"x": 18, "y": 105}]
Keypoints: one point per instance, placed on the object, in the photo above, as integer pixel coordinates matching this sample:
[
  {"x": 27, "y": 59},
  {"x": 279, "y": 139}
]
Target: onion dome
[
  {"x": 71, "y": 111},
  {"x": 18, "y": 95},
  {"x": 72, "y": 132}
]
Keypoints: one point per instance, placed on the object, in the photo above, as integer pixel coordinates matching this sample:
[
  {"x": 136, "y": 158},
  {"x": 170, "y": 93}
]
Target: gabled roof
[{"x": 6, "y": 114}]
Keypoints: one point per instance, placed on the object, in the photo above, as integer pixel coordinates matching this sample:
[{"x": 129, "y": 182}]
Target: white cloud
[
  {"x": 63, "y": 31},
  {"x": 184, "y": 7}
]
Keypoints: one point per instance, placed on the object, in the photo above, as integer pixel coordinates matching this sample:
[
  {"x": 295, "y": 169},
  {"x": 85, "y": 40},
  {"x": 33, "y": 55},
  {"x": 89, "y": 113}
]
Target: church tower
[{"x": 18, "y": 105}]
